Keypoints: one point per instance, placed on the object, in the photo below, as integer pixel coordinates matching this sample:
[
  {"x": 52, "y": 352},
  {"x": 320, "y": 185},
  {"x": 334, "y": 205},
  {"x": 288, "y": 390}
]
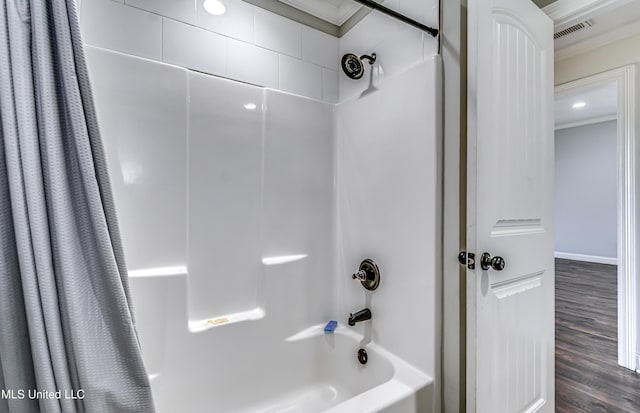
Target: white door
[{"x": 510, "y": 313}]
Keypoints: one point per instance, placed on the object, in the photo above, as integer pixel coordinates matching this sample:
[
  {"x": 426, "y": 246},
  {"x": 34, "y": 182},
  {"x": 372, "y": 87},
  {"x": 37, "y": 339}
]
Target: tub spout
[{"x": 362, "y": 315}]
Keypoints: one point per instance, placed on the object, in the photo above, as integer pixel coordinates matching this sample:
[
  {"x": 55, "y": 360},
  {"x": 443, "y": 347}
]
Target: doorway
[{"x": 595, "y": 244}]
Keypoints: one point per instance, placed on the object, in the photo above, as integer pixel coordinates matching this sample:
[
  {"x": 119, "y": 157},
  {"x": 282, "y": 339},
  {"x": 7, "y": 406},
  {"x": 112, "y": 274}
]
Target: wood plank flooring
[{"x": 588, "y": 378}]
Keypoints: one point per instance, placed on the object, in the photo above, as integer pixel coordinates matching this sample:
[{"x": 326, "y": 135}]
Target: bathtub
[{"x": 250, "y": 363}]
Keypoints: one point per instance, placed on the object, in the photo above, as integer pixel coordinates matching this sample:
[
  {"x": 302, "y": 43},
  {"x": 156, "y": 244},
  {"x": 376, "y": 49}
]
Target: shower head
[{"x": 353, "y": 65}]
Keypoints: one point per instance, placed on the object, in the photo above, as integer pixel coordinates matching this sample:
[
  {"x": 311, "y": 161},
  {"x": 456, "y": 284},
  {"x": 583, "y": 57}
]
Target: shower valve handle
[
  {"x": 368, "y": 274},
  {"x": 360, "y": 275}
]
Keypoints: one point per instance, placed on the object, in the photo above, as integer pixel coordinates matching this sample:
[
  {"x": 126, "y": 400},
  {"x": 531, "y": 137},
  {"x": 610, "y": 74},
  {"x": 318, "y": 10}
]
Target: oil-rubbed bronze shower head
[{"x": 353, "y": 65}]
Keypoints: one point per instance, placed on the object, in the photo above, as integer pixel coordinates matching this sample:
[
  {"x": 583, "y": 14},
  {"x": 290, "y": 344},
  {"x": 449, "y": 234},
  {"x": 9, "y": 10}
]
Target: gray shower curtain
[{"x": 66, "y": 324}]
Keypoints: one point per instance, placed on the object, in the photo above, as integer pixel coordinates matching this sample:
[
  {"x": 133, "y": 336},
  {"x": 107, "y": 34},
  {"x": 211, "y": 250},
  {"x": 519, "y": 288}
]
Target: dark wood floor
[{"x": 588, "y": 378}]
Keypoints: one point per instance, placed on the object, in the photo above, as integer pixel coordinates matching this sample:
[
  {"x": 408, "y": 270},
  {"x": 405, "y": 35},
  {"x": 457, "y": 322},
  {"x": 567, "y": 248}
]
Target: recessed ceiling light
[
  {"x": 215, "y": 7},
  {"x": 579, "y": 105},
  {"x": 250, "y": 106}
]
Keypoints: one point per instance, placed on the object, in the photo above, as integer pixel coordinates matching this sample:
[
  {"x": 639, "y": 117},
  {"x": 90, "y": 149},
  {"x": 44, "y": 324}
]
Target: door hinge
[{"x": 468, "y": 259}]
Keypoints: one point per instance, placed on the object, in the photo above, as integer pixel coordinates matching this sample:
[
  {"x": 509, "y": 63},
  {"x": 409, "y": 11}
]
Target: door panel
[{"x": 510, "y": 313}]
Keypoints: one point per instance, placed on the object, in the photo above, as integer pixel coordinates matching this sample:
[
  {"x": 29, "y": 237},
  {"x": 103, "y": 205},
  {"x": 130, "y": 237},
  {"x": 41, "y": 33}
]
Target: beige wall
[{"x": 611, "y": 56}]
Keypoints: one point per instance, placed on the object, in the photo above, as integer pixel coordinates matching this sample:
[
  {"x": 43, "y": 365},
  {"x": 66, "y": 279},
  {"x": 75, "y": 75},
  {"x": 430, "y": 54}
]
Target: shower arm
[
  {"x": 390, "y": 12},
  {"x": 371, "y": 58}
]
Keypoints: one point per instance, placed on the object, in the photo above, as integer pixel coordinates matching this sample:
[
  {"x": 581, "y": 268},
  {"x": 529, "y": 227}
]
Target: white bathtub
[{"x": 255, "y": 366}]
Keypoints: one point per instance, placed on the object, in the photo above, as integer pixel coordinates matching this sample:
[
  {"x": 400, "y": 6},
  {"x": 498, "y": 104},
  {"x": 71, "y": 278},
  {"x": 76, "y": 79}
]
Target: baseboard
[
  {"x": 637, "y": 363},
  {"x": 587, "y": 258}
]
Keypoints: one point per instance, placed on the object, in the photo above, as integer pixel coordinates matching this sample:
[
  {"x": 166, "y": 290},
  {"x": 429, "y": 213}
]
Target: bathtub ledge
[
  {"x": 318, "y": 330},
  {"x": 198, "y": 326}
]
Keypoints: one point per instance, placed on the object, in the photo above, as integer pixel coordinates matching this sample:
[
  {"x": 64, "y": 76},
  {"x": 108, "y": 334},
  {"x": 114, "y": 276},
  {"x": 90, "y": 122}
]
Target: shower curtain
[{"x": 67, "y": 334}]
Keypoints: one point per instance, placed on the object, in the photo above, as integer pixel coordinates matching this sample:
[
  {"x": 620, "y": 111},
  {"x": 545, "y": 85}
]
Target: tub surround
[
  {"x": 246, "y": 209},
  {"x": 235, "y": 193},
  {"x": 142, "y": 116},
  {"x": 387, "y": 180}
]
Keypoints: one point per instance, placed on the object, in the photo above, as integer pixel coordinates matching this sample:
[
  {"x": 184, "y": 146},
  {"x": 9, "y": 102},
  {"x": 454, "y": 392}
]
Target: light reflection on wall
[
  {"x": 132, "y": 173},
  {"x": 283, "y": 259}
]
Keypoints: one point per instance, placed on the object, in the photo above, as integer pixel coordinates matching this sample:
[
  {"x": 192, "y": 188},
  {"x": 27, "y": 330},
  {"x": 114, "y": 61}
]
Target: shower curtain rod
[{"x": 389, "y": 12}]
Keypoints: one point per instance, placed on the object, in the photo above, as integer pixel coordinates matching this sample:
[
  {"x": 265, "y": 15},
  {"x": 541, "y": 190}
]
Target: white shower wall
[
  {"x": 203, "y": 182},
  {"x": 257, "y": 204},
  {"x": 224, "y": 203},
  {"x": 388, "y": 181},
  {"x": 247, "y": 43},
  {"x": 388, "y": 154},
  {"x": 398, "y": 45},
  {"x": 142, "y": 114},
  {"x": 256, "y": 46}
]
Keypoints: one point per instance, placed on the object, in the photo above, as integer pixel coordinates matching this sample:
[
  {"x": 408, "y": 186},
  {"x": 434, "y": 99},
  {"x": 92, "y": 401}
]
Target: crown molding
[
  {"x": 564, "y": 11},
  {"x": 588, "y": 121},
  {"x": 297, "y": 15}
]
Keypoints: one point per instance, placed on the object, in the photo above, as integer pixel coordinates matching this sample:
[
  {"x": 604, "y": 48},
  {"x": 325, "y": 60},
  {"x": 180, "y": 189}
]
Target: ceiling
[
  {"x": 605, "y": 21},
  {"x": 609, "y": 20},
  {"x": 600, "y": 105}
]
